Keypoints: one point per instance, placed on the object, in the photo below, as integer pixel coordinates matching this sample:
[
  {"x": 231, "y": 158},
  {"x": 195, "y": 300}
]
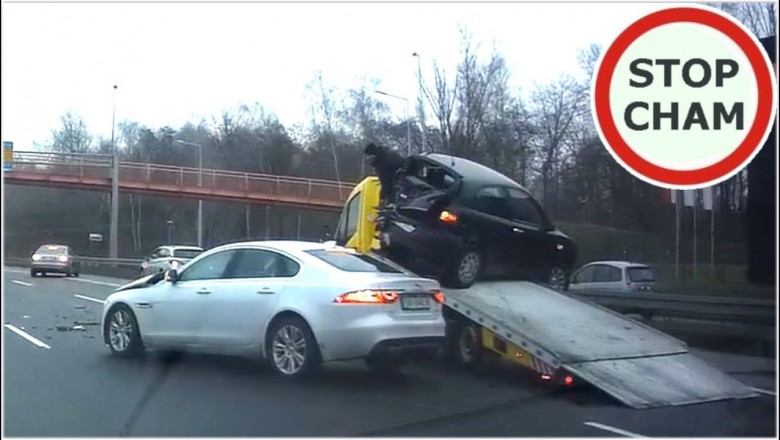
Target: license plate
[{"x": 415, "y": 303}]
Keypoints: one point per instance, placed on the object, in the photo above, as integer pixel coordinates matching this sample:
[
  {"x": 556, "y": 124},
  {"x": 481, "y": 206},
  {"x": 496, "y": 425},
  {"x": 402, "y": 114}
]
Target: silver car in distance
[{"x": 295, "y": 304}]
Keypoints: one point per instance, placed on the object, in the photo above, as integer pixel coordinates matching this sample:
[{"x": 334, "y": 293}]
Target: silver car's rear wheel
[
  {"x": 289, "y": 349},
  {"x": 292, "y": 349},
  {"x": 122, "y": 334}
]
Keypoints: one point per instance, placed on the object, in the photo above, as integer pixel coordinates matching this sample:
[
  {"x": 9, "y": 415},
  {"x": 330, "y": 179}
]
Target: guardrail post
[
  {"x": 81, "y": 167},
  {"x": 148, "y": 173},
  {"x": 277, "y": 186},
  {"x": 246, "y": 183},
  {"x": 181, "y": 176},
  {"x": 310, "y": 189}
]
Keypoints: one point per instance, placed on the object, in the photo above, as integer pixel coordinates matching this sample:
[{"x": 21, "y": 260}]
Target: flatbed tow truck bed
[{"x": 547, "y": 331}]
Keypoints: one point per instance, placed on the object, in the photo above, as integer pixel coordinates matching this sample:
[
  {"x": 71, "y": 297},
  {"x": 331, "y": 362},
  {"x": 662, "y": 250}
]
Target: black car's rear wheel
[
  {"x": 464, "y": 270},
  {"x": 558, "y": 278}
]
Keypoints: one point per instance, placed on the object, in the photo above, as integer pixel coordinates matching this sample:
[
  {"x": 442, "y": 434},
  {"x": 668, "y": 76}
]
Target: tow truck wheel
[{"x": 467, "y": 349}]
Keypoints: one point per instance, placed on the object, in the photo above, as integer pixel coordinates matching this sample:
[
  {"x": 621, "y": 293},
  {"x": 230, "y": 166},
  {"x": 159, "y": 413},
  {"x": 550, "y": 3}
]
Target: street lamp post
[
  {"x": 113, "y": 242},
  {"x": 408, "y": 121},
  {"x": 420, "y": 95},
  {"x": 200, "y": 183}
]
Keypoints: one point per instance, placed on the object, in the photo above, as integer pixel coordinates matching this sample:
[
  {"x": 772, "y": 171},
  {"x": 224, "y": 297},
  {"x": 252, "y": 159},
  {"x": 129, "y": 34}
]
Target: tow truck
[{"x": 553, "y": 335}]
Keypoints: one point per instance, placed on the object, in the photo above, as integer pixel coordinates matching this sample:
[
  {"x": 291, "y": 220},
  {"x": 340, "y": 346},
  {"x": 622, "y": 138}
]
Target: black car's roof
[{"x": 472, "y": 172}]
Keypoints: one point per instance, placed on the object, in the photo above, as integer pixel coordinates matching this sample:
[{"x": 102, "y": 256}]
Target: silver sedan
[{"x": 295, "y": 304}]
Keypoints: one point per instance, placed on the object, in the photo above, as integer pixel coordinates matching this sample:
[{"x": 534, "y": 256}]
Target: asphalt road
[{"x": 61, "y": 381}]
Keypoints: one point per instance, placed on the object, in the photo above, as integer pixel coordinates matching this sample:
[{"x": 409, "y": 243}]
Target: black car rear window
[
  {"x": 640, "y": 274},
  {"x": 350, "y": 262},
  {"x": 186, "y": 253}
]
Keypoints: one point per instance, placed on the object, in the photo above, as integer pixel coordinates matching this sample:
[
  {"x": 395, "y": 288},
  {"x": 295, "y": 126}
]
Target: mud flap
[{"x": 667, "y": 380}]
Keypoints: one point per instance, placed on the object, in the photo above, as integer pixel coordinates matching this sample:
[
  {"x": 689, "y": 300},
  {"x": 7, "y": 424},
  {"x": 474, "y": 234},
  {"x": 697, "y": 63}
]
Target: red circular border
[{"x": 666, "y": 175}]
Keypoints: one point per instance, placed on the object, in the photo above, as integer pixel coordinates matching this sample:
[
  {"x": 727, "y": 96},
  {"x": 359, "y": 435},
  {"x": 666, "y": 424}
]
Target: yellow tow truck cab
[{"x": 356, "y": 227}]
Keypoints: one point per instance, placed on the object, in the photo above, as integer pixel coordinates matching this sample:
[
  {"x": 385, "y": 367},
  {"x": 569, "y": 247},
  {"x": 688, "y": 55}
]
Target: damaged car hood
[{"x": 140, "y": 283}]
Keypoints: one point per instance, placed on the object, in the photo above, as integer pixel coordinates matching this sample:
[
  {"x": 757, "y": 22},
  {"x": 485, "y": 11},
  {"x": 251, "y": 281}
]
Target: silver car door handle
[
  {"x": 266, "y": 291},
  {"x": 143, "y": 305},
  {"x": 204, "y": 292}
]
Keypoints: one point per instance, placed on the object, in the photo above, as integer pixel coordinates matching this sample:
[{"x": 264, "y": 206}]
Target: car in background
[
  {"x": 54, "y": 258},
  {"x": 468, "y": 221},
  {"x": 295, "y": 304},
  {"x": 613, "y": 276},
  {"x": 168, "y": 257}
]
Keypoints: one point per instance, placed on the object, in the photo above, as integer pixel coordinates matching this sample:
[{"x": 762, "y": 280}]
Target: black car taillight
[{"x": 448, "y": 217}]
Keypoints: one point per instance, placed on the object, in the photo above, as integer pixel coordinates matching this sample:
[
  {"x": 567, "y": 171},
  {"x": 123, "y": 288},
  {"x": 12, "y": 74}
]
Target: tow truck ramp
[{"x": 633, "y": 362}]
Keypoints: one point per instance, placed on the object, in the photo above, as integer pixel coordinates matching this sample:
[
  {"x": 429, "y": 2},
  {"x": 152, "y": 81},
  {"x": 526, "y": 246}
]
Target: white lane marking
[
  {"x": 8, "y": 269},
  {"x": 27, "y": 336},
  {"x": 101, "y": 283},
  {"x": 21, "y": 283},
  {"x": 89, "y": 298},
  {"x": 759, "y": 390},
  {"x": 612, "y": 429}
]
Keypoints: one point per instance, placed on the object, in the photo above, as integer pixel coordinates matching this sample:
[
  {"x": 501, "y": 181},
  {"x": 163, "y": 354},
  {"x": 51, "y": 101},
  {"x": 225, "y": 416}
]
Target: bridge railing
[
  {"x": 75, "y": 165},
  {"x": 216, "y": 181},
  {"x": 98, "y": 167}
]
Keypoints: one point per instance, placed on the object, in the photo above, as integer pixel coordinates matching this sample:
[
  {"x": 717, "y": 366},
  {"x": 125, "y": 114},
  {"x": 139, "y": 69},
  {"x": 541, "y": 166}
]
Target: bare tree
[
  {"x": 72, "y": 136},
  {"x": 760, "y": 18},
  {"x": 557, "y": 105},
  {"x": 326, "y": 109}
]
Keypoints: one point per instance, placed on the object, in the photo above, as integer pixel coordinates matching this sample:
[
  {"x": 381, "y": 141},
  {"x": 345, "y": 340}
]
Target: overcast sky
[{"x": 177, "y": 62}]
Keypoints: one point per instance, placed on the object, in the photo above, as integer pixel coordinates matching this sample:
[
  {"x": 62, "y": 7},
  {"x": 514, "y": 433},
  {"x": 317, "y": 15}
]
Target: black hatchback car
[{"x": 467, "y": 222}]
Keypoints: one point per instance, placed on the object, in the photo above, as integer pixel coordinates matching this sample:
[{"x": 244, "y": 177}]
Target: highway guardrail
[{"x": 730, "y": 309}]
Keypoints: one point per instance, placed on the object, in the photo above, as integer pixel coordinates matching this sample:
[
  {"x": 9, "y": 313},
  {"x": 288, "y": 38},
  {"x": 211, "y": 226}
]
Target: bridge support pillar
[{"x": 113, "y": 241}]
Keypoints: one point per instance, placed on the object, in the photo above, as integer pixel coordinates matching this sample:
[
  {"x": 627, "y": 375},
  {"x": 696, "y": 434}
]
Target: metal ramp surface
[
  {"x": 656, "y": 381},
  {"x": 633, "y": 362}
]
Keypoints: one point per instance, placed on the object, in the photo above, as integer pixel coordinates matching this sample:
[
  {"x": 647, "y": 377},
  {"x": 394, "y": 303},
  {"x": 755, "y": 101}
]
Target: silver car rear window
[
  {"x": 350, "y": 262},
  {"x": 52, "y": 250},
  {"x": 640, "y": 274}
]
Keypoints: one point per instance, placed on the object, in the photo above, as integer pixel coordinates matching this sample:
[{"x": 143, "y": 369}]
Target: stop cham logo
[{"x": 684, "y": 98}]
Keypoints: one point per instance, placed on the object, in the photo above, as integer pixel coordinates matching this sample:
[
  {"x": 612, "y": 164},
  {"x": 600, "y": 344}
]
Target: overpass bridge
[{"x": 94, "y": 172}]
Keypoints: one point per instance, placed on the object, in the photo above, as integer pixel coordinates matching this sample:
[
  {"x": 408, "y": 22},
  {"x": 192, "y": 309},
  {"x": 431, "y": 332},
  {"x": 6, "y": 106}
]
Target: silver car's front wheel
[
  {"x": 292, "y": 349},
  {"x": 122, "y": 334}
]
